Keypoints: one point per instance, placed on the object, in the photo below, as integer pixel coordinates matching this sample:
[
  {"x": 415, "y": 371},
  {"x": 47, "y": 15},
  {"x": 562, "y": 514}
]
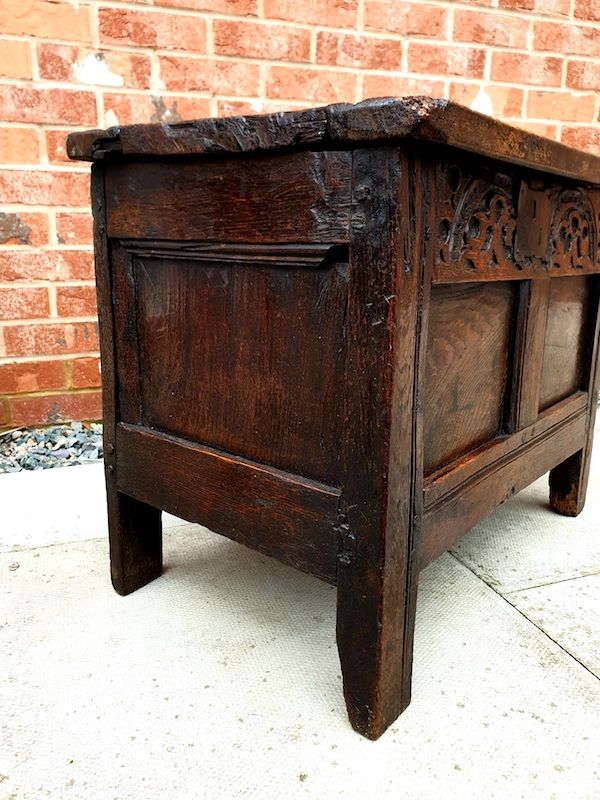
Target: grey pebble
[{"x": 44, "y": 448}]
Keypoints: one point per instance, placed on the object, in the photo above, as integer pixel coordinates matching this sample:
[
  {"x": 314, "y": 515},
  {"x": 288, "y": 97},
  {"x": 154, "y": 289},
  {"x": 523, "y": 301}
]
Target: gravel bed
[{"x": 44, "y": 448}]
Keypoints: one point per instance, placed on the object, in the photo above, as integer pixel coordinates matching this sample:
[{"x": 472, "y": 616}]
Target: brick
[
  {"x": 85, "y": 373},
  {"x": 192, "y": 107},
  {"x": 332, "y": 13},
  {"x": 547, "y": 7},
  {"x": 228, "y": 108},
  {"x": 126, "y": 109},
  {"x": 46, "y": 265},
  {"x": 49, "y": 20},
  {"x": 38, "y": 339},
  {"x": 561, "y": 106},
  {"x": 15, "y": 59},
  {"x": 238, "y": 8},
  {"x": 587, "y": 9},
  {"x": 583, "y": 138},
  {"x": 53, "y": 408},
  {"x": 74, "y": 228},
  {"x": 407, "y": 19},
  {"x": 539, "y": 128},
  {"x": 45, "y": 187},
  {"x": 39, "y": 227},
  {"x": 524, "y": 68},
  {"x": 319, "y": 86},
  {"x": 490, "y": 28},
  {"x": 353, "y": 50},
  {"x": 208, "y": 75},
  {"x": 583, "y": 75},
  {"x": 23, "y": 303},
  {"x": 76, "y": 301},
  {"x": 32, "y": 376},
  {"x": 25, "y": 104},
  {"x": 234, "y": 108},
  {"x": 19, "y": 146},
  {"x": 384, "y": 85},
  {"x": 159, "y": 30},
  {"x": 566, "y": 38},
  {"x": 466, "y": 62},
  {"x": 62, "y": 62},
  {"x": 24, "y": 227},
  {"x": 56, "y": 146},
  {"x": 249, "y": 40},
  {"x": 12, "y": 229},
  {"x": 4, "y": 414},
  {"x": 507, "y": 101}
]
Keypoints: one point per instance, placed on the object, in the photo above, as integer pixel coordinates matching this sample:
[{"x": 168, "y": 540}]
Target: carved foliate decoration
[
  {"x": 573, "y": 232},
  {"x": 495, "y": 223},
  {"x": 477, "y": 220}
]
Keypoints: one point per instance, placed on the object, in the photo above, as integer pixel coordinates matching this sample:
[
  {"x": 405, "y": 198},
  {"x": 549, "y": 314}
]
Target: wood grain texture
[
  {"x": 129, "y": 399},
  {"x": 530, "y": 335},
  {"x": 493, "y": 225},
  {"x": 302, "y": 197},
  {"x": 569, "y": 480},
  {"x": 279, "y": 514},
  {"x": 381, "y": 446},
  {"x": 467, "y": 370},
  {"x": 446, "y": 522},
  {"x": 381, "y": 120},
  {"x": 245, "y": 358},
  {"x": 566, "y": 341},
  {"x": 135, "y": 533},
  {"x": 444, "y": 481}
]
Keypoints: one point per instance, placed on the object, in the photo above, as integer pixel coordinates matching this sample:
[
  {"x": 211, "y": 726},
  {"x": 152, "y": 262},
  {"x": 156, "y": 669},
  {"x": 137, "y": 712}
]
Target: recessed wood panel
[
  {"x": 567, "y": 339},
  {"x": 467, "y": 368},
  {"x": 245, "y": 358}
]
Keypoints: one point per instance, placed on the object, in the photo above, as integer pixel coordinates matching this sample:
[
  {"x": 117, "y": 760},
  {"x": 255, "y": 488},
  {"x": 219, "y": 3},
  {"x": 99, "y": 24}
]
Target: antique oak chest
[{"x": 342, "y": 336}]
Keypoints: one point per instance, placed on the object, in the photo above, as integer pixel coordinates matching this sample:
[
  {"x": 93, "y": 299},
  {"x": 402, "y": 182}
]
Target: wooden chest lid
[{"x": 380, "y": 120}]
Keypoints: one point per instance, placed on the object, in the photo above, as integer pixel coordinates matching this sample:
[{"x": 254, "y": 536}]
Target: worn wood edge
[
  {"x": 232, "y": 496},
  {"x": 451, "y": 477},
  {"x": 376, "y": 120},
  {"x": 456, "y": 513},
  {"x": 93, "y": 144},
  {"x": 285, "y": 255}
]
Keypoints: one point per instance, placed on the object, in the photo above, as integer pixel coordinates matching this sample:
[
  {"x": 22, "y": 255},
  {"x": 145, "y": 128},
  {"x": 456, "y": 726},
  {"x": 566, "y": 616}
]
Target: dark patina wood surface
[{"x": 342, "y": 336}]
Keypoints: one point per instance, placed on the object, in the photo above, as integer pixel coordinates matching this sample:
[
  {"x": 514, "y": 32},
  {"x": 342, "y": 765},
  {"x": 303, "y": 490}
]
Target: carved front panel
[
  {"x": 477, "y": 220},
  {"x": 503, "y": 225}
]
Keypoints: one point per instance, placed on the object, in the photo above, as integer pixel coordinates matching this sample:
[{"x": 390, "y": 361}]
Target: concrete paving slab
[
  {"x": 221, "y": 680},
  {"x": 524, "y": 544},
  {"x": 47, "y": 506},
  {"x": 568, "y": 612}
]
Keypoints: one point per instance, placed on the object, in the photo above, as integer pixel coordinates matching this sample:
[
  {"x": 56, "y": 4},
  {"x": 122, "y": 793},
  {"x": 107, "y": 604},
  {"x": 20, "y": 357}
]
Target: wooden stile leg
[
  {"x": 135, "y": 535},
  {"x": 569, "y": 480},
  {"x": 382, "y": 500},
  {"x": 568, "y": 484},
  {"x": 375, "y": 625}
]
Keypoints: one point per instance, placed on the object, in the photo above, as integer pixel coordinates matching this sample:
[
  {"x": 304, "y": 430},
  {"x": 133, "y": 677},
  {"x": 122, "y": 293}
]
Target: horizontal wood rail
[
  {"x": 460, "y": 495},
  {"x": 283, "y": 515}
]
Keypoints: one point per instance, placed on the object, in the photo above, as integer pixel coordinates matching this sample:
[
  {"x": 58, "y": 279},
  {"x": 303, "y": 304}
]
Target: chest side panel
[{"x": 231, "y": 281}]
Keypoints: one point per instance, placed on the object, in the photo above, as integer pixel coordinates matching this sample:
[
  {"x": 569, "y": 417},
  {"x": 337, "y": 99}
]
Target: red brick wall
[{"x": 90, "y": 63}]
